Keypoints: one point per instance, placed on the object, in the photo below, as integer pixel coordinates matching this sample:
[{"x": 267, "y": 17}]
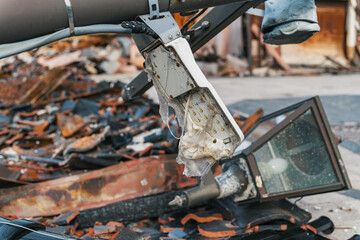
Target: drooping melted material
[
  {"x": 199, "y": 150},
  {"x": 199, "y": 147}
]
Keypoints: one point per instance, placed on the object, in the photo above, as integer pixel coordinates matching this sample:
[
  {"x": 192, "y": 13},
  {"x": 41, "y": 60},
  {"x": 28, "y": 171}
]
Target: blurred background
[{"x": 246, "y": 72}]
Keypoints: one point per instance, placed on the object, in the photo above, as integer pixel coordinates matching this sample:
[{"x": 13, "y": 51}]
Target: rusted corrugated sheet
[{"x": 98, "y": 188}]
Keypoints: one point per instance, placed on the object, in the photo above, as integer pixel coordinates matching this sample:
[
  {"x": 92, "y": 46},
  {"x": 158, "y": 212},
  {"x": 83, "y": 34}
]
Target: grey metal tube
[
  {"x": 9, "y": 49},
  {"x": 26, "y": 19},
  {"x": 232, "y": 181}
]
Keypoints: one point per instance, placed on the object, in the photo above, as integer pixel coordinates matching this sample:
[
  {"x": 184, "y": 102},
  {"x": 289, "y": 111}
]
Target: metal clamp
[
  {"x": 165, "y": 26},
  {"x": 70, "y": 17},
  {"x": 154, "y": 9}
]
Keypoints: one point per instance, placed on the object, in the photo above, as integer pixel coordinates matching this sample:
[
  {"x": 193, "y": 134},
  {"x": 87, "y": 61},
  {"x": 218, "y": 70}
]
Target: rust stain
[
  {"x": 136, "y": 178},
  {"x": 329, "y": 41},
  {"x": 94, "y": 186},
  {"x": 74, "y": 186},
  {"x": 57, "y": 195},
  {"x": 331, "y": 17}
]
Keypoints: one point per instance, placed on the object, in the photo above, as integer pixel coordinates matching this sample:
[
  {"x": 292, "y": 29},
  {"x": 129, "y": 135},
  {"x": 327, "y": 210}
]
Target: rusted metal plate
[
  {"x": 69, "y": 125},
  {"x": 98, "y": 188},
  {"x": 45, "y": 85},
  {"x": 329, "y": 41},
  {"x": 9, "y": 178}
]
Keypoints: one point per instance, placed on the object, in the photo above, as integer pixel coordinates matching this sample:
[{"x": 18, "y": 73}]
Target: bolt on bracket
[{"x": 164, "y": 26}]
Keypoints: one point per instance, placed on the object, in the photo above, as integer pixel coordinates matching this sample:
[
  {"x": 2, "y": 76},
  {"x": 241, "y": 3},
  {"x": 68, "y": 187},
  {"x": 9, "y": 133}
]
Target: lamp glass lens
[
  {"x": 296, "y": 158},
  {"x": 265, "y": 126}
]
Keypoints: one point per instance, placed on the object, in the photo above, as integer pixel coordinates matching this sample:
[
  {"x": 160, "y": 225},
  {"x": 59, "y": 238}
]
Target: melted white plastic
[
  {"x": 207, "y": 127},
  {"x": 200, "y": 147}
]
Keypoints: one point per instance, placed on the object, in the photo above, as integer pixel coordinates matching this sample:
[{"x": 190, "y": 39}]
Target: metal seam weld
[{"x": 70, "y": 17}]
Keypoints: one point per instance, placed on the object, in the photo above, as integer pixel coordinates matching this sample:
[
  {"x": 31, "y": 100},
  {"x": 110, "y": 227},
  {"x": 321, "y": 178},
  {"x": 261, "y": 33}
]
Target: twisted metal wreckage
[{"x": 290, "y": 153}]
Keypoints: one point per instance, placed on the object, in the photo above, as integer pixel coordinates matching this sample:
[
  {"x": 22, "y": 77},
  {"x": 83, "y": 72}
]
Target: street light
[
  {"x": 289, "y": 153},
  {"x": 293, "y": 153}
]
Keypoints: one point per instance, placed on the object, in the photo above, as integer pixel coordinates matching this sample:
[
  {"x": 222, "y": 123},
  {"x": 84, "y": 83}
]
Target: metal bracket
[
  {"x": 154, "y": 9},
  {"x": 164, "y": 26},
  {"x": 70, "y": 17},
  {"x": 219, "y": 17},
  {"x": 170, "y": 72},
  {"x": 256, "y": 12}
]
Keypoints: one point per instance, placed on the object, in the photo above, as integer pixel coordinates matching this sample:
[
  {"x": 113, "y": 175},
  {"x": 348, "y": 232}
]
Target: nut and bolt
[{"x": 205, "y": 24}]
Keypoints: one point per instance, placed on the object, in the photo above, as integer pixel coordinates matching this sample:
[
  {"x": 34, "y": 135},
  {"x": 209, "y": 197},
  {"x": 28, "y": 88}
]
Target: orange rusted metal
[
  {"x": 69, "y": 125},
  {"x": 94, "y": 189},
  {"x": 85, "y": 142},
  {"x": 329, "y": 41},
  {"x": 14, "y": 138}
]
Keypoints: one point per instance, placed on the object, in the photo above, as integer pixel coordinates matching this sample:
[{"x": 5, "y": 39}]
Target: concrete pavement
[{"x": 236, "y": 89}]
